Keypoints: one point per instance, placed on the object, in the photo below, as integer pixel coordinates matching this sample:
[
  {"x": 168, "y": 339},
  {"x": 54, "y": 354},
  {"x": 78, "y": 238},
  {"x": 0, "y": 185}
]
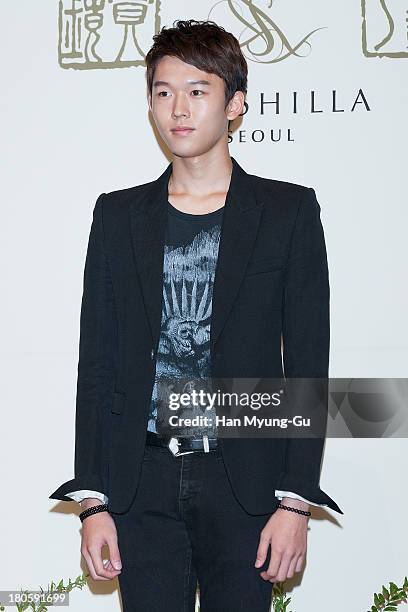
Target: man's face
[{"x": 177, "y": 99}]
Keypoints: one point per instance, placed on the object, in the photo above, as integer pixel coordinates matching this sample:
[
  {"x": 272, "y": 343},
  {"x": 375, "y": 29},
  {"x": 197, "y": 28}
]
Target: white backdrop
[{"x": 69, "y": 134}]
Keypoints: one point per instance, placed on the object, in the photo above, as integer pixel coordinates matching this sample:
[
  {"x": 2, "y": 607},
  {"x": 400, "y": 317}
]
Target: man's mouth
[{"x": 182, "y": 130}]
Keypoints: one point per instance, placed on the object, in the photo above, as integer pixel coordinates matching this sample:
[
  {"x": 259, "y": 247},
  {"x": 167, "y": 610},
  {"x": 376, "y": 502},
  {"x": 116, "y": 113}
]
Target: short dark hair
[{"x": 207, "y": 46}]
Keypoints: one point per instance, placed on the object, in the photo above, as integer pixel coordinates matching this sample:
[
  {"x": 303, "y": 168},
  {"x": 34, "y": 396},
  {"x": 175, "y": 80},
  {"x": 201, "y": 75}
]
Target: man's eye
[
  {"x": 197, "y": 90},
  {"x": 162, "y": 92}
]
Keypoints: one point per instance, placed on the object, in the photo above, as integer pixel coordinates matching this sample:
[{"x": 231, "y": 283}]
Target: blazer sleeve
[
  {"x": 95, "y": 378},
  {"x": 306, "y": 339}
]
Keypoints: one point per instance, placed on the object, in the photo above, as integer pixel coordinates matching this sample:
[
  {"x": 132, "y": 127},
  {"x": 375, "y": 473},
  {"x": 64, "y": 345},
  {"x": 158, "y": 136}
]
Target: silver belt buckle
[
  {"x": 206, "y": 444},
  {"x": 173, "y": 446}
]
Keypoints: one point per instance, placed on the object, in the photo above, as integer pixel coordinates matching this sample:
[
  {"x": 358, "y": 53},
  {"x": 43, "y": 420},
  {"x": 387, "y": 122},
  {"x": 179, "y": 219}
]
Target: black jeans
[{"x": 185, "y": 525}]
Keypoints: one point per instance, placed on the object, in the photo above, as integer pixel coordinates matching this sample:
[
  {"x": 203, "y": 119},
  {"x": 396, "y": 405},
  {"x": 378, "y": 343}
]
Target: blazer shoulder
[
  {"x": 284, "y": 196},
  {"x": 283, "y": 188},
  {"x": 121, "y": 196},
  {"x": 117, "y": 202}
]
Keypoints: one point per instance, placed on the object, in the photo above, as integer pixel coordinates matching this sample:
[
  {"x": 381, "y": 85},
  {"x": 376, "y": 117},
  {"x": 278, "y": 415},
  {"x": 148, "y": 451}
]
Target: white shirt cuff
[{"x": 78, "y": 496}]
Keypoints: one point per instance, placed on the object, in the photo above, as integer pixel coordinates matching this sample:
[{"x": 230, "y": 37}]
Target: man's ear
[{"x": 236, "y": 105}]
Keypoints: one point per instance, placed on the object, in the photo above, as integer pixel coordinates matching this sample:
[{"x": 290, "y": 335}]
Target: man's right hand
[{"x": 97, "y": 530}]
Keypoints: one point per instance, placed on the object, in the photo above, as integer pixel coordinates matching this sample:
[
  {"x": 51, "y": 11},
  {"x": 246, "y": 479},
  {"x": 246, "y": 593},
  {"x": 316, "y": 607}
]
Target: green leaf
[
  {"x": 385, "y": 592},
  {"x": 393, "y": 587}
]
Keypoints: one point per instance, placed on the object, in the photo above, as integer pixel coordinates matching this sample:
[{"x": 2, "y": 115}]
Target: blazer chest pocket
[
  {"x": 263, "y": 264},
  {"x": 118, "y": 403}
]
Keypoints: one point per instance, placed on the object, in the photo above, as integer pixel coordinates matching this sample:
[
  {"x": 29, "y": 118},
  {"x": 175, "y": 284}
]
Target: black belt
[{"x": 181, "y": 444}]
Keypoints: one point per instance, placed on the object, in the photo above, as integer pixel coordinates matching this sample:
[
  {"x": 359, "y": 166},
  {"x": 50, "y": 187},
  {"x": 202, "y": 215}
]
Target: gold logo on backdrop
[
  {"x": 262, "y": 40},
  {"x": 106, "y": 33},
  {"x": 116, "y": 34},
  {"x": 385, "y": 28}
]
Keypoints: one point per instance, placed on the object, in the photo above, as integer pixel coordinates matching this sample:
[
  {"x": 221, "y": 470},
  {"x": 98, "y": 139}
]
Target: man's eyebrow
[{"x": 200, "y": 82}]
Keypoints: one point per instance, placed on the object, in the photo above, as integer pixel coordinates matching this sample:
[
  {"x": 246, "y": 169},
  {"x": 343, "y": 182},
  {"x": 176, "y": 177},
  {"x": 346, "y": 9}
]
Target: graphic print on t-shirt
[{"x": 188, "y": 278}]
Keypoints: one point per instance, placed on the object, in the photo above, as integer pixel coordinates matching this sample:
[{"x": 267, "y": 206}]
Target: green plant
[
  {"x": 279, "y": 601},
  {"x": 388, "y": 599},
  {"x": 79, "y": 582}
]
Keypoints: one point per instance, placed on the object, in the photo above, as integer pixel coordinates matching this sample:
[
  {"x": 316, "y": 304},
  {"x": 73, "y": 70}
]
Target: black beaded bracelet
[
  {"x": 93, "y": 510},
  {"x": 305, "y": 512}
]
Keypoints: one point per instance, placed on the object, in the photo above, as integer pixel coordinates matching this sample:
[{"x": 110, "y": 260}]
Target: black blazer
[{"x": 271, "y": 280}]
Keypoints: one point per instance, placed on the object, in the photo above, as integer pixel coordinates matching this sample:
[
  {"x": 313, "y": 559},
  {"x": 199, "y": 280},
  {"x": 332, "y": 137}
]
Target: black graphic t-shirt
[{"x": 190, "y": 257}]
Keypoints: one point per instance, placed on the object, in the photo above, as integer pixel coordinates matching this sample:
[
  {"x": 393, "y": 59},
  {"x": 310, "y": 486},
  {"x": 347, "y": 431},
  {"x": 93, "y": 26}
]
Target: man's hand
[
  {"x": 97, "y": 530},
  {"x": 286, "y": 533}
]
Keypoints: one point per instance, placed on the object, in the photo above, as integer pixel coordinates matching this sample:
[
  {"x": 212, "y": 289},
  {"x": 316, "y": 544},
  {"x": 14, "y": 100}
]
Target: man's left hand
[{"x": 286, "y": 533}]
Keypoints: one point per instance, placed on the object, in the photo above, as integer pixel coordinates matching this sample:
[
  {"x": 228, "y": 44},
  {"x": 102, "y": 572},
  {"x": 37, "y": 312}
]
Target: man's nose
[{"x": 181, "y": 106}]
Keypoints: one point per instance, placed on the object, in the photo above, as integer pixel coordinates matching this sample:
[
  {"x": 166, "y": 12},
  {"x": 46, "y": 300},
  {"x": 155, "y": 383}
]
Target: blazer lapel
[
  {"x": 239, "y": 228},
  {"x": 148, "y": 216},
  {"x": 240, "y": 221}
]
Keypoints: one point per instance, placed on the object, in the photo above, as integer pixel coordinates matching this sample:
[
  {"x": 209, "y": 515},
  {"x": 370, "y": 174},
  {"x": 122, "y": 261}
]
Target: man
[{"x": 203, "y": 271}]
